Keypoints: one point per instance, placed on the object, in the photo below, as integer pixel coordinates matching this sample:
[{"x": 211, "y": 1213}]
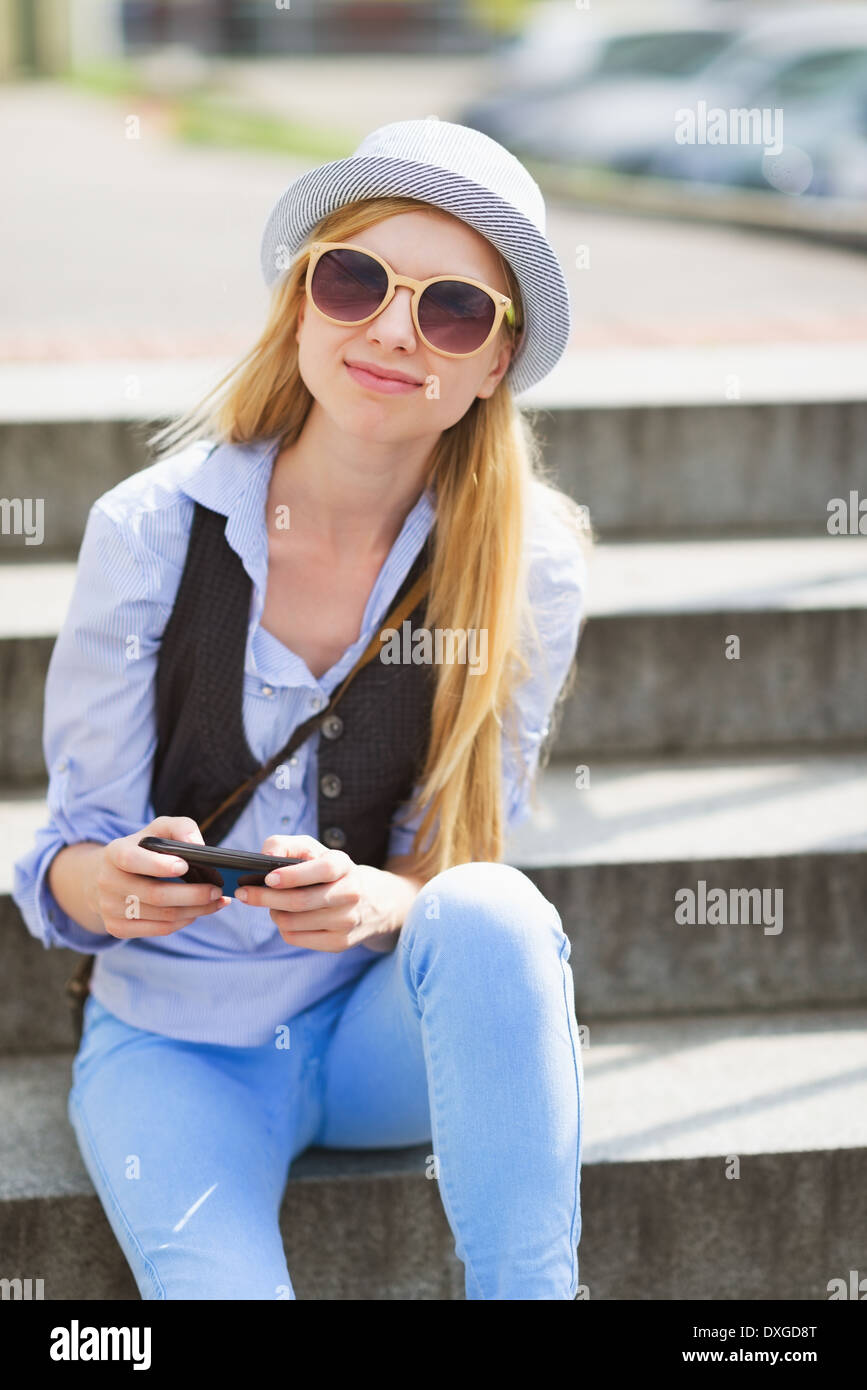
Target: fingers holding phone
[{"x": 128, "y": 893}]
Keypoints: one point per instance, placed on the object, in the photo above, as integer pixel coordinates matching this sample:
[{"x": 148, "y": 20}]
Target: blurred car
[
  {"x": 564, "y": 52},
  {"x": 840, "y": 166},
  {"x": 618, "y": 115},
  {"x": 815, "y": 75},
  {"x": 617, "y": 106}
]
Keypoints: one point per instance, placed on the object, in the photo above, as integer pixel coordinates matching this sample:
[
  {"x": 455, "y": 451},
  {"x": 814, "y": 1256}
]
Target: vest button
[
  {"x": 334, "y": 837},
  {"x": 332, "y": 726},
  {"x": 330, "y": 784}
]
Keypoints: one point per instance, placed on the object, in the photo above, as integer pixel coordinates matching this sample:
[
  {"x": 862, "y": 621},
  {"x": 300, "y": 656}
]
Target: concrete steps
[
  {"x": 725, "y": 1157},
  {"x": 653, "y": 674},
  {"x": 613, "y": 856},
  {"x": 651, "y": 459},
  {"x": 673, "y": 768}
]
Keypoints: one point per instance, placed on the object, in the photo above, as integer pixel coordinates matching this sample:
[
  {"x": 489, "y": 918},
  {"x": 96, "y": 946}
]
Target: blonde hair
[{"x": 488, "y": 472}]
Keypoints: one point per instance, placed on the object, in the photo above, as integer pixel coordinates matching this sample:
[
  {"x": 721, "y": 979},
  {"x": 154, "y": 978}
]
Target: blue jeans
[{"x": 463, "y": 1037}]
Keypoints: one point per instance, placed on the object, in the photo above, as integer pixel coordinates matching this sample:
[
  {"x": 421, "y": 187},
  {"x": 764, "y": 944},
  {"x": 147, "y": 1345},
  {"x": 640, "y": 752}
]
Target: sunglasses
[{"x": 453, "y": 315}]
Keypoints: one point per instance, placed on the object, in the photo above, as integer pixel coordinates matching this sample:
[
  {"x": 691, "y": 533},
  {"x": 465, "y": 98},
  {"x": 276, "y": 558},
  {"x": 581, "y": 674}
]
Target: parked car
[
  {"x": 616, "y": 117},
  {"x": 617, "y": 106},
  {"x": 565, "y": 51},
  {"x": 820, "y": 93}
]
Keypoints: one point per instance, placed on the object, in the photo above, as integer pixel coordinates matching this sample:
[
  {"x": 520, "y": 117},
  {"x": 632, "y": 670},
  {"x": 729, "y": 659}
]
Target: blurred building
[
  {"x": 250, "y": 27},
  {"x": 45, "y": 36}
]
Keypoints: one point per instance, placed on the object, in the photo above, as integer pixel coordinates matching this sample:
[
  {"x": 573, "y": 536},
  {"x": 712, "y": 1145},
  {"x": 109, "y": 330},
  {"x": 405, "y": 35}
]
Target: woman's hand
[
  {"x": 328, "y": 903},
  {"x": 126, "y": 892}
]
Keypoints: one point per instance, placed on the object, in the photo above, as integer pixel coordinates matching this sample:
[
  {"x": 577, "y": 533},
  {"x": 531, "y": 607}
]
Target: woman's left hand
[{"x": 328, "y": 903}]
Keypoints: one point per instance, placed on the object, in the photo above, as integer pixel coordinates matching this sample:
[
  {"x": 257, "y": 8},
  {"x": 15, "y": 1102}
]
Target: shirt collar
[{"x": 233, "y": 479}]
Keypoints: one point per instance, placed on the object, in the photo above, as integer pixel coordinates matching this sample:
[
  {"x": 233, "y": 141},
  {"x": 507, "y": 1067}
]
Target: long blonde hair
[{"x": 487, "y": 471}]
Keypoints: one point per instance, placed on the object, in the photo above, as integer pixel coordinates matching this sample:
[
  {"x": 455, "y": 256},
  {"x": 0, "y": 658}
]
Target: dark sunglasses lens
[
  {"x": 455, "y": 317},
  {"x": 348, "y": 285}
]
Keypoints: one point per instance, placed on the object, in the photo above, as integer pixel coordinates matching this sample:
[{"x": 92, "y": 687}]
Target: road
[{"x": 149, "y": 249}]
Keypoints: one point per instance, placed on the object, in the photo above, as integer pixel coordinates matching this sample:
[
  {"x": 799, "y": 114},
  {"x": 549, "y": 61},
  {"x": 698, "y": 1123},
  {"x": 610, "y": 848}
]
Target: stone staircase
[{"x": 725, "y": 1144}]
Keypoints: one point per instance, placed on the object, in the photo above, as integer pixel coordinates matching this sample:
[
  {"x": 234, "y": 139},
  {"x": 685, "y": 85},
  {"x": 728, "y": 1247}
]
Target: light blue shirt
[{"x": 228, "y": 977}]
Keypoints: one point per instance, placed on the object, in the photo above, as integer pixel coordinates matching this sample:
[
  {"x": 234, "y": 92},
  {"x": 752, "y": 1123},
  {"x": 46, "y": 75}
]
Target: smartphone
[{"x": 227, "y": 868}]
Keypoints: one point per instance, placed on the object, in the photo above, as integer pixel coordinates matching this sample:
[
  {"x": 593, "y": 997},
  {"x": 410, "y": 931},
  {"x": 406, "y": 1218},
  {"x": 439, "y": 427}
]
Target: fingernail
[
  {"x": 241, "y": 893},
  {"x": 273, "y": 880},
  {"x": 215, "y": 893},
  {"x": 179, "y": 866}
]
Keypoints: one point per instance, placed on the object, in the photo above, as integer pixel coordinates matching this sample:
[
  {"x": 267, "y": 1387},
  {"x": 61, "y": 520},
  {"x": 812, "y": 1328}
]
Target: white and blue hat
[{"x": 465, "y": 173}]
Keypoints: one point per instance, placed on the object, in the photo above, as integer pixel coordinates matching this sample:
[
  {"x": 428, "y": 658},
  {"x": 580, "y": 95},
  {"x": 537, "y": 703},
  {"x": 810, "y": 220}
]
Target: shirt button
[
  {"x": 334, "y": 837},
  {"x": 284, "y": 820},
  {"x": 331, "y": 784},
  {"x": 293, "y": 761},
  {"x": 267, "y": 690},
  {"x": 63, "y": 765},
  {"x": 332, "y": 726},
  {"x": 316, "y": 702}
]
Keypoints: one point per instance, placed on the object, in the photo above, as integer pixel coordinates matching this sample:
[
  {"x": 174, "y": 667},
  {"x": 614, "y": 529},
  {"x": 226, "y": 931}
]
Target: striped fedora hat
[{"x": 465, "y": 173}]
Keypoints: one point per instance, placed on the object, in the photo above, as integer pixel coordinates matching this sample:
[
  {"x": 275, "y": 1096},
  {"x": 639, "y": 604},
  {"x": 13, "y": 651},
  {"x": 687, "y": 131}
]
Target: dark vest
[{"x": 370, "y": 750}]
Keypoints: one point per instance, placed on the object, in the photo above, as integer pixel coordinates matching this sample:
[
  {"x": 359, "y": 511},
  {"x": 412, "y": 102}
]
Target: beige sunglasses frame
[{"x": 503, "y": 306}]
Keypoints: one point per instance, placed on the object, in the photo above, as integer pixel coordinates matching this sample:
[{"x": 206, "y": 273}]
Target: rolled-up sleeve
[
  {"x": 99, "y": 727},
  {"x": 557, "y": 584}
]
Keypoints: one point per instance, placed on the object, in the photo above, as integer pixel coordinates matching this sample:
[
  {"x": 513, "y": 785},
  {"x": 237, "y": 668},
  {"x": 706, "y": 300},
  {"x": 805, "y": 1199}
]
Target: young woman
[{"x": 401, "y": 985}]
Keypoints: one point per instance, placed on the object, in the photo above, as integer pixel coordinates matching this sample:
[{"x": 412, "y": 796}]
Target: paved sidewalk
[{"x": 148, "y": 250}]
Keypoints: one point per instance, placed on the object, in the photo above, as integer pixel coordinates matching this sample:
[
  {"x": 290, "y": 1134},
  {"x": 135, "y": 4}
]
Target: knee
[{"x": 483, "y": 902}]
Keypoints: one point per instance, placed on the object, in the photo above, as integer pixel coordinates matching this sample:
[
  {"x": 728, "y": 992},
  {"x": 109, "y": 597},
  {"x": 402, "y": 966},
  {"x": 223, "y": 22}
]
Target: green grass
[
  {"x": 106, "y": 79},
  {"x": 205, "y": 119}
]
